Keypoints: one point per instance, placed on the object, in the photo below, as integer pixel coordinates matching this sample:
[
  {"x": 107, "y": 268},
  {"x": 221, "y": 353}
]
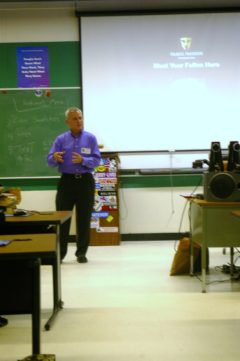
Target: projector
[{"x": 221, "y": 186}]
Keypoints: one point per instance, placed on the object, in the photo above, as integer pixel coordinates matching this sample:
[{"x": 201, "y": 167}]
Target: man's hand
[
  {"x": 76, "y": 158},
  {"x": 58, "y": 157}
]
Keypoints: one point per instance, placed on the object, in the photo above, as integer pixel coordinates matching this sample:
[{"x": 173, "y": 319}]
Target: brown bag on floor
[{"x": 181, "y": 260}]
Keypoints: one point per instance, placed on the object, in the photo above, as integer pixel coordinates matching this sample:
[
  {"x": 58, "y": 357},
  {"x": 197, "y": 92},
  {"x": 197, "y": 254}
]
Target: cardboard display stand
[{"x": 105, "y": 217}]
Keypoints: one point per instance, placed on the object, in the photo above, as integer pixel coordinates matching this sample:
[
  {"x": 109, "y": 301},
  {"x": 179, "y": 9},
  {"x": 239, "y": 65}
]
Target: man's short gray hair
[{"x": 70, "y": 110}]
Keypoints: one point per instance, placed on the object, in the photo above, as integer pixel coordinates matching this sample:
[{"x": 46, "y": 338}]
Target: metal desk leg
[
  {"x": 36, "y": 308},
  {"x": 191, "y": 257},
  {"x": 203, "y": 256},
  {"x": 231, "y": 261},
  {"x": 57, "y": 302}
]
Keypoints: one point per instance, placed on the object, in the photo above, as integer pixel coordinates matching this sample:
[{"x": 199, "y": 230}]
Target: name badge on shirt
[{"x": 85, "y": 150}]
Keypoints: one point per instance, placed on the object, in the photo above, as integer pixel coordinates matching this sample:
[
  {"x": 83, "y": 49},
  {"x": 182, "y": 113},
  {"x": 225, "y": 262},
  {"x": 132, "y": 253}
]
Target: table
[
  {"x": 47, "y": 218},
  {"x": 20, "y": 282},
  {"x": 212, "y": 225}
]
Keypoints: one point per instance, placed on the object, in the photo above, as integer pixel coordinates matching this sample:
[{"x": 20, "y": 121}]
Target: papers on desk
[
  {"x": 192, "y": 196},
  {"x": 4, "y": 242}
]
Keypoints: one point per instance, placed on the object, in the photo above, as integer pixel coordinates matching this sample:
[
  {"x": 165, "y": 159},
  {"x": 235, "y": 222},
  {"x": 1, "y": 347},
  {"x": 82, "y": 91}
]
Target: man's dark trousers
[{"x": 76, "y": 190}]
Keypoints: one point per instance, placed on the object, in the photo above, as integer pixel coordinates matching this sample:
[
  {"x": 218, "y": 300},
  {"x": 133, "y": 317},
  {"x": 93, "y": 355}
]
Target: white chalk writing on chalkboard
[
  {"x": 31, "y": 105},
  {"x": 29, "y": 125}
]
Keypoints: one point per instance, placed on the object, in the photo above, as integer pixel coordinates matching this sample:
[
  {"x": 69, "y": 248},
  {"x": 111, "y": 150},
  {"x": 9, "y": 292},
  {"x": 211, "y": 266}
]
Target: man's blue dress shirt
[{"x": 85, "y": 144}]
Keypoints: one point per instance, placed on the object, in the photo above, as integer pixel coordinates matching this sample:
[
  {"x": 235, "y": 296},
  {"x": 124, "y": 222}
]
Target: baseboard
[
  {"x": 72, "y": 238},
  {"x": 153, "y": 236},
  {"x": 146, "y": 236}
]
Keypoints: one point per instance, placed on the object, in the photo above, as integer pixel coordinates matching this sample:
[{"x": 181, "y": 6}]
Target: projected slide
[{"x": 161, "y": 82}]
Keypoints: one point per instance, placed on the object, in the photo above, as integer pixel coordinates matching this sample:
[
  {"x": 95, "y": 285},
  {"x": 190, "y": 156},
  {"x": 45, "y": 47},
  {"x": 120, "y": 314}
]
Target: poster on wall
[
  {"x": 32, "y": 67},
  {"x": 105, "y": 195}
]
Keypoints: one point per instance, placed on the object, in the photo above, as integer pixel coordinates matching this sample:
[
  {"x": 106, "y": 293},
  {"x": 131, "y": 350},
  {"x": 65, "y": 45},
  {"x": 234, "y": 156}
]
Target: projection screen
[{"x": 161, "y": 82}]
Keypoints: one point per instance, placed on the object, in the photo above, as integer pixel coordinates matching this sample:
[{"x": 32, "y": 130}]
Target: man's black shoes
[
  {"x": 3, "y": 321},
  {"x": 82, "y": 259}
]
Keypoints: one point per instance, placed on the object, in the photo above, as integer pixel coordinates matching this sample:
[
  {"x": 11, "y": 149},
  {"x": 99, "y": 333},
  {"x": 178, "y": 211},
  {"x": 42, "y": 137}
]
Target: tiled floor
[{"x": 124, "y": 306}]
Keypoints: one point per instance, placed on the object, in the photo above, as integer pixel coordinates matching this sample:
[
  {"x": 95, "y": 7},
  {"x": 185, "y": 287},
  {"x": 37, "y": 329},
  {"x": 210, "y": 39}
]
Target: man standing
[{"x": 76, "y": 154}]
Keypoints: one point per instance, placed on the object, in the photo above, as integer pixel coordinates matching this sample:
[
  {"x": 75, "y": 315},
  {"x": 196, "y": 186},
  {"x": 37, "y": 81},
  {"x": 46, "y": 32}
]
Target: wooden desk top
[
  {"x": 39, "y": 244},
  {"x": 56, "y": 217},
  {"x": 202, "y": 202}
]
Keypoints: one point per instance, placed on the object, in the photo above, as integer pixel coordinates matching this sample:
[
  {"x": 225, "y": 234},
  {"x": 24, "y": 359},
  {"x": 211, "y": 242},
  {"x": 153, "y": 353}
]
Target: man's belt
[{"x": 75, "y": 175}]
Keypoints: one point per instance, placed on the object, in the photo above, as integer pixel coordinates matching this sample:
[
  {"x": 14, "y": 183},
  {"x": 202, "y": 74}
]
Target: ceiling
[{"x": 124, "y": 5}]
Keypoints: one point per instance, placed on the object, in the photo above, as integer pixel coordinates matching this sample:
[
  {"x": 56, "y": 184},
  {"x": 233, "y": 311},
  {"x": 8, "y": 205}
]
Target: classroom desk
[
  {"x": 20, "y": 281},
  {"x": 49, "y": 218},
  {"x": 212, "y": 224}
]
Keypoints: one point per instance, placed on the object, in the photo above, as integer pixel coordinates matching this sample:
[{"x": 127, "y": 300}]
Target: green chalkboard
[{"x": 29, "y": 122}]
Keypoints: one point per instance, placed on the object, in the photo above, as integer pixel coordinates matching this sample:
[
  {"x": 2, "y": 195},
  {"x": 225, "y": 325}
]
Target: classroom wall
[
  {"x": 38, "y": 25},
  {"x": 142, "y": 210}
]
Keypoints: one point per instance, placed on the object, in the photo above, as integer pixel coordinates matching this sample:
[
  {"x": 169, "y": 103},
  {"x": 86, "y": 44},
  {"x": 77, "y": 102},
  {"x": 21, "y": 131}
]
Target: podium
[{"x": 105, "y": 217}]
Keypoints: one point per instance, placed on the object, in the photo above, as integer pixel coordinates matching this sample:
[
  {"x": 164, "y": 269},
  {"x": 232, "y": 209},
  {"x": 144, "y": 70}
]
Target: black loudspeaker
[
  {"x": 215, "y": 159},
  {"x": 221, "y": 186},
  {"x": 233, "y": 156}
]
